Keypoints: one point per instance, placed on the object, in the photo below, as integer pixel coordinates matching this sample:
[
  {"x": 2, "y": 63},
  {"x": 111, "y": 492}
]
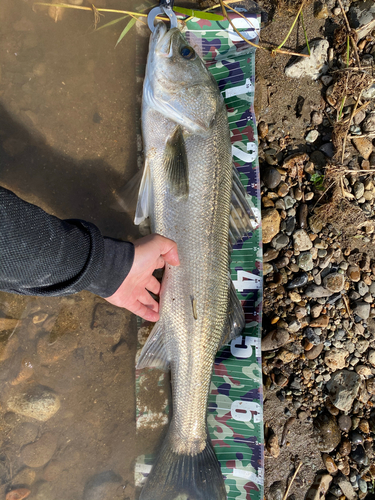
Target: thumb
[{"x": 168, "y": 250}]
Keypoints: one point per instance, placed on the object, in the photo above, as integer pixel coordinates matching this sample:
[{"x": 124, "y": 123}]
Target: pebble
[
  {"x": 362, "y": 309},
  {"x": 301, "y": 240},
  {"x": 280, "y": 241},
  {"x": 271, "y": 177},
  {"x": 270, "y": 224},
  {"x": 359, "y": 117},
  {"x": 267, "y": 269},
  {"x": 329, "y": 463},
  {"x": 345, "y": 447},
  {"x": 290, "y": 224},
  {"x": 302, "y": 215},
  {"x": 316, "y": 118},
  {"x": 363, "y": 371},
  {"x": 354, "y": 273},
  {"x": 334, "y": 282},
  {"x": 370, "y": 385},
  {"x": 53, "y": 470},
  {"x": 363, "y": 146},
  {"x": 359, "y": 455},
  {"x": 319, "y": 488},
  {"x": 283, "y": 189},
  {"x": 305, "y": 261},
  {"x": 312, "y": 136},
  {"x": 364, "y": 426},
  {"x": 314, "y": 352},
  {"x": 37, "y": 402},
  {"x": 313, "y": 66},
  {"x": 346, "y": 488},
  {"x": 336, "y": 358},
  {"x": 270, "y": 254},
  {"x": 18, "y": 494},
  {"x": 24, "y": 433},
  {"x": 345, "y": 422},
  {"x": 262, "y": 129},
  {"x": 362, "y": 288},
  {"x": 327, "y": 149},
  {"x": 26, "y": 477},
  {"x": 298, "y": 281},
  {"x": 327, "y": 431},
  {"x": 358, "y": 189},
  {"x": 369, "y": 124},
  {"x": 39, "y": 453},
  {"x": 275, "y": 339},
  {"x": 320, "y": 322},
  {"x": 315, "y": 310},
  {"x": 343, "y": 388},
  {"x": 315, "y": 292},
  {"x": 371, "y": 357}
]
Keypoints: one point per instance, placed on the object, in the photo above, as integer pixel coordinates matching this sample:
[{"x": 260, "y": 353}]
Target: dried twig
[
  {"x": 291, "y": 482},
  {"x": 350, "y": 33},
  {"x": 349, "y": 124}
]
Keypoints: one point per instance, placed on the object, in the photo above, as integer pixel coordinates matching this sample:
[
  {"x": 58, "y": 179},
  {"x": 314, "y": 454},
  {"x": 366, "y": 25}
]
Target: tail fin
[{"x": 185, "y": 477}]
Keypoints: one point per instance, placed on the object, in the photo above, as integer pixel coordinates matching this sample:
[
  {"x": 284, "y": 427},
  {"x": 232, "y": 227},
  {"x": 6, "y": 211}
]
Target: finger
[
  {"x": 146, "y": 299},
  {"x": 159, "y": 263},
  {"x": 153, "y": 285},
  {"x": 168, "y": 250},
  {"x": 144, "y": 312}
]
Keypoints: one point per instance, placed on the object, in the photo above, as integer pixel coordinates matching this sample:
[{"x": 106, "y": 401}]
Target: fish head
[{"x": 178, "y": 84}]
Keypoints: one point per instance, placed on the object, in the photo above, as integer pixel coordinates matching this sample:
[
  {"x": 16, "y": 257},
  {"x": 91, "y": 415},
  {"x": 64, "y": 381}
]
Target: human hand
[{"x": 150, "y": 253}]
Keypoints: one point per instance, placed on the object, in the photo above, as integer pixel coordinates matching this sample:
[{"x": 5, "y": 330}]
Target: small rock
[
  {"x": 334, "y": 282},
  {"x": 346, "y": 488},
  {"x": 271, "y": 177},
  {"x": 363, "y": 371},
  {"x": 283, "y": 189},
  {"x": 328, "y": 433},
  {"x": 313, "y": 66},
  {"x": 26, "y": 477},
  {"x": 301, "y": 240},
  {"x": 39, "y": 453},
  {"x": 273, "y": 447},
  {"x": 327, "y": 149},
  {"x": 354, "y": 273},
  {"x": 24, "y": 433},
  {"x": 362, "y": 309},
  {"x": 356, "y": 437},
  {"x": 312, "y": 136},
  {"x": 302, "y": 215},
  {"x": 267, "y": 269},
  {"x": 305, "y": 261},
  {"x": 314, "y": 352},
  {"x": 18, "y": 494},
  {"x": 270, "y": 224},
  {"x": 329, "y": 463},
  {"x": 316, "y": 118},
  {"x": 319, "y": 488},
  {"x": 363, "y": 146},
  {"x": 370, "y": 386},
  {"x": 371, "y": 357},
  {"x": 316, "y": 292},
  {"x": 53, "y": 470},
  {"x": 321, "y": 322},
  {"x": 275, "y": 339},
  {"x": 105, "y": 486},
  {"x": 364, "y": 426},
  {"x": 298, "y": 281},
  {"x": 37, "y": 402},
  {"x": 369, "y": 124},
  {"x": 321, "y": 10},
  {"x": 359, "y": 455},
  {"x": 359, "y": 117},
  {"x": 315, "y": 310},
  {"x": 358, "y": 189},
  {"x": 362, "y": 288},
  {"x": 270, "y": 254},
  {"x": 343, "y": 388},
  {"x": 280, "y": 241},
  {"x": 336, "y": 358},
  {"x": 345, "y": 447},
  {"x": 262, "y": 129},
  {"x": 345, "y": 422}
]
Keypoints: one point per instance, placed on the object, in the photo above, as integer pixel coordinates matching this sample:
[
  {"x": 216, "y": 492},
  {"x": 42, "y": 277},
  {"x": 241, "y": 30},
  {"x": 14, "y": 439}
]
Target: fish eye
[{"x": 187, "y": 52}]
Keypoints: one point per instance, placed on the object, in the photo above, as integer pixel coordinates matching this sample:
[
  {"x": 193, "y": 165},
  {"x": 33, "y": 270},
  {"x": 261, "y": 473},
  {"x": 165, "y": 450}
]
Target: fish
[{"x": 193, "y": 195}]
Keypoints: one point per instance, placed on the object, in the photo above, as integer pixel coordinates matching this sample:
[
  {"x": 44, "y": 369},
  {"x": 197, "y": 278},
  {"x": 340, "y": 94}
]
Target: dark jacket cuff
[{"x": 117, "y": 262}]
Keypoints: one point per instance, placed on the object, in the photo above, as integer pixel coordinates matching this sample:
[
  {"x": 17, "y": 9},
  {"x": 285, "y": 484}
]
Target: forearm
[{"x": 43, "y": 255}]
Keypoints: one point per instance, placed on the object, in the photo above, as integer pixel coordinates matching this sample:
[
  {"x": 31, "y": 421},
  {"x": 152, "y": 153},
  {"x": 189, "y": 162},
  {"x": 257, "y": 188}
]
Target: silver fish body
[{"x": 186, "y": 190}]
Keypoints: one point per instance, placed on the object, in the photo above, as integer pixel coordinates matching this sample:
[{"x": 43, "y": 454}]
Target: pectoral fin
[
  {"x": 176, "y": 165},
  {"x": 154, "y": 353},
  {"x": 144, "y": 196},
  {"x": 235, "y": 319}
]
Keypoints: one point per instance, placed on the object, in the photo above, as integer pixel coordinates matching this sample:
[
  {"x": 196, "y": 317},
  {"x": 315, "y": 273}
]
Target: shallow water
[{"x": 69, "y": 103}]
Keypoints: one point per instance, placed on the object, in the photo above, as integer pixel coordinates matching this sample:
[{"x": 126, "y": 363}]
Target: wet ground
[{"x": 68, "y": 110}]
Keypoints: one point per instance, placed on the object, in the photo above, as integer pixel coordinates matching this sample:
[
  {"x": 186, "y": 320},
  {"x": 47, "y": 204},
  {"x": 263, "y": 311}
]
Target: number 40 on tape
[{"x": 247, "y": 281}]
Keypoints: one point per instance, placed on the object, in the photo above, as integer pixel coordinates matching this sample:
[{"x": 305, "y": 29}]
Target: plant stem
[
  {"x": 291, "y": 29},
  {"x": 304, "y": 32}
]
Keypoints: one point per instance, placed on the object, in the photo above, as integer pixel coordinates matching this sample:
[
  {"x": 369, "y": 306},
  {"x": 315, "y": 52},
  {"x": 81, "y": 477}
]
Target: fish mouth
[{"x": 161, "y": 40}]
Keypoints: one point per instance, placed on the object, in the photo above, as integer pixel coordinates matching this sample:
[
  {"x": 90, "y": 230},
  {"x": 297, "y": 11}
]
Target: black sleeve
[{"x": 43, "y": 255}]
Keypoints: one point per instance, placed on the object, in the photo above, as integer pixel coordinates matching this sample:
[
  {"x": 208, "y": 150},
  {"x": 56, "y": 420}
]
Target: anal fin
[
  {"x": 154, "y": 353},
  {"x": 144, "y": 196}
]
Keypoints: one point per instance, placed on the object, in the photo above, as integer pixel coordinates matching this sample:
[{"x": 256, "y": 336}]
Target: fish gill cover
[{"x": 235, "y": 405}]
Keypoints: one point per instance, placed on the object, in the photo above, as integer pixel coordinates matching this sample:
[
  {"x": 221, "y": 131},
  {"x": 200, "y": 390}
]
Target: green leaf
[
  {"x": 318, "y": 181},
  {"x": 199, "y": 14},
  {"x": 112, "y": 22},
  {"x": 130, "y": 24}
]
